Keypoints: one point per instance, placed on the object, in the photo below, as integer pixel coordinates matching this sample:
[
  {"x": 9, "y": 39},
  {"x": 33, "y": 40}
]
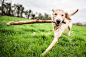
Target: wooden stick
[{"x": 29, "y": 22}]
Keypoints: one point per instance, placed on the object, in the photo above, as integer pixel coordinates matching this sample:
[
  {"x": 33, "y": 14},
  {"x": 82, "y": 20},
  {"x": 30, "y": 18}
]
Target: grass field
[{"x": 30, "y": 40}]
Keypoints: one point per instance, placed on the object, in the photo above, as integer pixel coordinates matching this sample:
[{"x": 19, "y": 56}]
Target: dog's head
[{"x": 59, "y": 16}]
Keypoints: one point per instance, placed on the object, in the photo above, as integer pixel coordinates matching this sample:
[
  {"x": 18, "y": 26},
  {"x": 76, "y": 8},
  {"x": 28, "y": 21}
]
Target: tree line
[
  {"x": 18, "y": 10},
  {"x": 80, "y": 24}
]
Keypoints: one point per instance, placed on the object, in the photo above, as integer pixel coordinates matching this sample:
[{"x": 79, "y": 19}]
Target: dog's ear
[
  {"x": 53, "y": 10},
  {"x": 67, "y": 16}
]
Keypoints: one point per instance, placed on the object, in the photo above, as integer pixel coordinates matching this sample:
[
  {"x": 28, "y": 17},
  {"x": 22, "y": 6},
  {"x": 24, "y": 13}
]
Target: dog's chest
[{"x": 60, "y": 28}]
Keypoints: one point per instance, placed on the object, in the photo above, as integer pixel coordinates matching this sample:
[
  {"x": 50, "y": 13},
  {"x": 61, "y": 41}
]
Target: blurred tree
[
  {"x": 26, "y": 13},
  {"x": 9, "y": 6},
  {"x": 45, "y": 16},
  {"x": 14, "y": 9},
  {"x": 22, "y": 10},
  {"x": 12, "y": 14},
  {"x": 29, "y": 13},
  {"x": 36, "y": 15},
  {"x": 40, "y": 16},
  {"x": 18, "y": 10},
  {"x": 2, "y": 7},
  {"x": 8, "y": 9},
  {"x": 0, "y": 4},
  {"x": 33, "y": 16},
  {"x": 49, "y": 17},
  {"x": 28, "y": 16}
]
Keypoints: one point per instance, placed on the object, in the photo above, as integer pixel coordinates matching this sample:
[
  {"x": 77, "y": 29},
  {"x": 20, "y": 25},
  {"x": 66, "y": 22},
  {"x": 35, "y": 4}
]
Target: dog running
[{"x": 62, "y": 21}]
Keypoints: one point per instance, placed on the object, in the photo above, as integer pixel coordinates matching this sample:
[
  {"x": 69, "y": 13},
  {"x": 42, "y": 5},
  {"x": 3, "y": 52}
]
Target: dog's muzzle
[{"x": 58, "y": 21}]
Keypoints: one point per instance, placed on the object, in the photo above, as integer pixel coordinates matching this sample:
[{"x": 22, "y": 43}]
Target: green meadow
[{"x": 30, "y": 40}]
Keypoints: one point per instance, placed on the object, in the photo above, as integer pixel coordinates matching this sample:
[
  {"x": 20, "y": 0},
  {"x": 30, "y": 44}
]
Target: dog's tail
[{"x": 74, "y": 12}]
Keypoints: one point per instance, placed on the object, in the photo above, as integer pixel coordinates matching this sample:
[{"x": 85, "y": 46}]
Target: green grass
[{"x": 30, "y": 40}]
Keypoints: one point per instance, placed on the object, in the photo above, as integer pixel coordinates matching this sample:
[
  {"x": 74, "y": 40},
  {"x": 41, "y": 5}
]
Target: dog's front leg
[
  {"x": 57, "y": 35},
  {"x": 51, "y": 45}
]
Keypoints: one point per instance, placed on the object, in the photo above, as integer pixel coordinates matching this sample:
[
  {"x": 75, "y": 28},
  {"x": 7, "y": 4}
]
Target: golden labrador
[{"x": 62, "y": 22}]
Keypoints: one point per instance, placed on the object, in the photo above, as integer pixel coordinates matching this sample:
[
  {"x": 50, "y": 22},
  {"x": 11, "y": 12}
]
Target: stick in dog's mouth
[{"x": 58, "y": 23}]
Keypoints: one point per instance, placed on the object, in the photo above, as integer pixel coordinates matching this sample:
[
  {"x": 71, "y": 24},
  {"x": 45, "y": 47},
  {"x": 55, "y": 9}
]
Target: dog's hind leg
[
  {"x": 69, "y": 33},
  {"x": 69, "y": 30},
  {"x": 69, "y": 27},
  {"x": 66, "y": 31}
]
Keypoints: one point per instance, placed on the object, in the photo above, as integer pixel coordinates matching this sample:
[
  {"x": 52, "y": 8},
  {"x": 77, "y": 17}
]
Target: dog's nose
[{"x": 58, "y": 20}]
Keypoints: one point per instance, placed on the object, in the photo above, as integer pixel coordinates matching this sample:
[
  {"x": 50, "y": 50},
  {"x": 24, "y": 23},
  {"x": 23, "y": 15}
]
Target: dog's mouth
[{"x": 57, "y": 23}]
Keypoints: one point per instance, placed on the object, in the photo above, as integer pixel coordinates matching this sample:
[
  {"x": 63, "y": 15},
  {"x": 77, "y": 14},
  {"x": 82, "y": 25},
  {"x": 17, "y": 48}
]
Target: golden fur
[{"x": 58, "y": 30}]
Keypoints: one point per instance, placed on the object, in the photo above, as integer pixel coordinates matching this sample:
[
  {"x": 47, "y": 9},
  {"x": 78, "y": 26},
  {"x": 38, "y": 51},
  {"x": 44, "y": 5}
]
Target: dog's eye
[
  {"x": 55, "y": 14},
  {"x": 62, "y": 15}
]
